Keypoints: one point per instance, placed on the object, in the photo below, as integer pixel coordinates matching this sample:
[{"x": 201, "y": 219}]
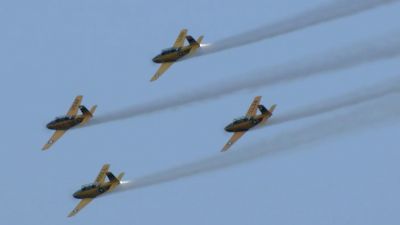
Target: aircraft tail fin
[
  {"x": 87, "y": 114},
  {"x": 264, "y": 110},
  {"x": 191, "y": 40},
  {"x": 194, "y": 42},
  {"x": 114, "y": 179},
  {"x": 111, "y": 177},
  {"x": 85, "y": 111}
]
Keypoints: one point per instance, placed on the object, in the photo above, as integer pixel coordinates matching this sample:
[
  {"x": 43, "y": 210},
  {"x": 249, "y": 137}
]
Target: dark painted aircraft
[
  {"x": 62, "y": 124},
  {"x": 90, "y": 191},
  {"x": 176, "y": 52},
  {"x": 242, "y": 125}
]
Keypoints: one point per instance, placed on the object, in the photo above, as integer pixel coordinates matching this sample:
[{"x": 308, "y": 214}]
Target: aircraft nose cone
[
  {"x": 156, "y": 59},
  {"x": 228, "y": 128},
  {"x": 76, "y": 195},
  {"x": 49, "y": 126}
]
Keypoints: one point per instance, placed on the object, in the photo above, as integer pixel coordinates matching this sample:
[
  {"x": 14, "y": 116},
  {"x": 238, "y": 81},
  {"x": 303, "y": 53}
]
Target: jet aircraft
[
  {"x": 88, "y": 192},
  {"x": 62, "y": 124},
  {"x": 242, "y": 125},
  {"x": 176, "y": 52}
]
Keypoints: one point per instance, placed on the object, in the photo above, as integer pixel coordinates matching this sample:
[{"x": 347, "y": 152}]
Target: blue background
[{"x": 51, "y": 51}]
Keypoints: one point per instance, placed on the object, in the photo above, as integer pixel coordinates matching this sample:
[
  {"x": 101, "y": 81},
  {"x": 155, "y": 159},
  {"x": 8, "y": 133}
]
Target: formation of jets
[{"x": 167, "y": 57}]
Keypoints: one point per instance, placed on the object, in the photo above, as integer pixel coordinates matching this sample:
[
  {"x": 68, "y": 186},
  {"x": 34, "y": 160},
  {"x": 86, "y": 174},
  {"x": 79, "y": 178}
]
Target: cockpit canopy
[
  {"x": 241, "y": 119},
  {"x": 63, "y": 118},
  {"x": 89, "y": 186},
  {"x": 169, "y": 50}
]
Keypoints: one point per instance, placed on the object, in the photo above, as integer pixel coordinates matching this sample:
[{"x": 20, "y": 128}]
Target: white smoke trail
[
  {"x": 320, "y": 14},
  {"x": 370, "y": 114},
  {"x": 384, "y": 47},
  {"x": 359, "y": 96}
]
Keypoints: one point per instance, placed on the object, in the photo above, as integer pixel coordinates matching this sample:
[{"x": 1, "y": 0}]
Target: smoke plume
[
  {"x": 320, "y": 14},
  {"x": 384, "y": 47}
]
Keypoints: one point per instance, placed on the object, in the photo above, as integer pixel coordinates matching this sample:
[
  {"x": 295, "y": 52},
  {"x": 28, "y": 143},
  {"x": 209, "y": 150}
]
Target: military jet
[
  {"x": 242, "y": 125},
  {"x": 62, "y": 124},
  {"x": 88, "y": 192},
  {"x": 176, "y": 52}
]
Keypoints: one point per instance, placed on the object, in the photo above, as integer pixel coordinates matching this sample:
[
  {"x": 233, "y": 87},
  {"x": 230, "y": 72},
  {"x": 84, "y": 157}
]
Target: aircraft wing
[
  {"x": 232, "y": 141},
  {"x": 53, "y": 139},
  {"x": 161, "y": 70},
  {"x": 180, "y": 39},
  {"x": 80, "y": 206},
  {"x": 102, "y": 174},
  {"x": 253, "y": 107},
  {"x": 73, "y": 110}
]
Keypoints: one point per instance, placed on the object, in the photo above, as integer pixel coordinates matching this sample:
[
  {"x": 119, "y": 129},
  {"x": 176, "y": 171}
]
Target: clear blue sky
[{"x": 52, "y": 51}]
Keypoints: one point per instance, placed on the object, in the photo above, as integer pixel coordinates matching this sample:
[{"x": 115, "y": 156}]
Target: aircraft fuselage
[
  {"x": 64, "y": 123},
  {"x": 245, "y": 124},
  {"x": 92, "y": 191},
  {"x": 172, "y": 54}
]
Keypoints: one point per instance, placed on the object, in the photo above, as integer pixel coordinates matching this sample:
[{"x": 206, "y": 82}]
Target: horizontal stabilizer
[
  {"x": 120, "y": 176},
  {"x": 93, "y": 109},
  {"x": 272, "y": 108},
  {"x": 200, "y": 39}
]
